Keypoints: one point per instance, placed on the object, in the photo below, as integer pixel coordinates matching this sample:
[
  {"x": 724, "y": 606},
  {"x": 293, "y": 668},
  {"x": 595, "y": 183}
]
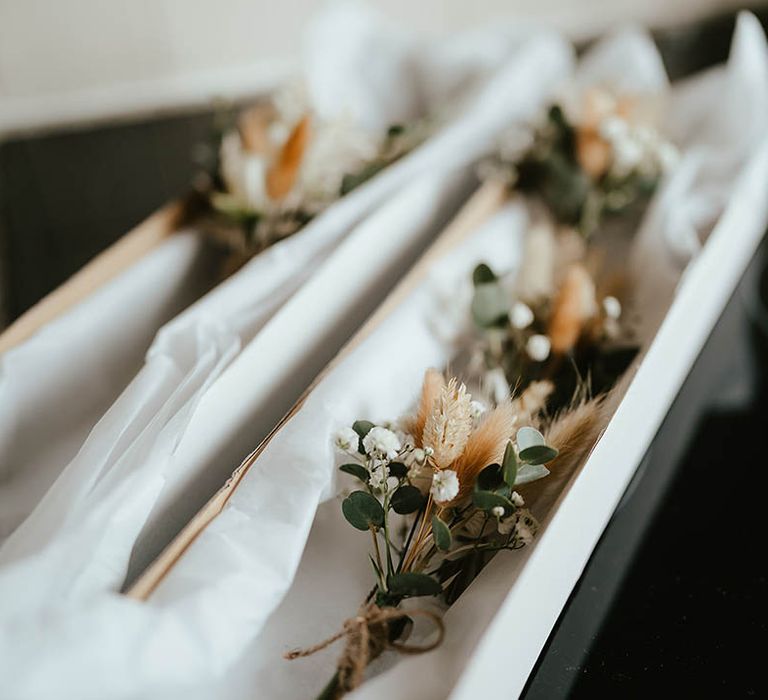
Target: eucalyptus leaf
[
  {"x": 398, "y": 470},
  {"x": 530, "y": 472},
  {"x": 509, "y": 464},
  {"x": 490, "y": 478},
  {"x": 362, "y": 510},
  {"x": 362, "y": 428},
  {"x": 483, "y": 274},
  {"x": 407, "y": 499},
  {"x": 490, "y": 305},
  {"x": 486, "y": 500},
  {"x": 357, "y": 470},
  {"x": 441, "y": 533},
  {"x": 411, "y": 584},
  {"x": 528, "y": 437},
  {"x": 538, "y": 454}
]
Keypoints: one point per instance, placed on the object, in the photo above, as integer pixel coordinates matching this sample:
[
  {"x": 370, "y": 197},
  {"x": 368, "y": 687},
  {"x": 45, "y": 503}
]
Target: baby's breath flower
[
  {"x": 477, "y": 409},
  {"x": 538, "y": 347},
  {"x": 379, "y": 476},
  {"x": 517, "y": 499},
  {"x": 497, "y": 511},
  {"x": 612, "y": 307},
  {"x": 347, "y": 440},
  {"x": 428, "y": 451},
  {"x": 419, "y": 456},
  {"x": 521, "y": 315},
  {"x": 381, "y": 442},
  {"x": 445, "y": 485}
]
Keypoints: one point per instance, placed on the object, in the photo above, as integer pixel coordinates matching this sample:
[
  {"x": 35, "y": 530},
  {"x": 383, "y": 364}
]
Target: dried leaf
[{"x": 282, "y": 174}]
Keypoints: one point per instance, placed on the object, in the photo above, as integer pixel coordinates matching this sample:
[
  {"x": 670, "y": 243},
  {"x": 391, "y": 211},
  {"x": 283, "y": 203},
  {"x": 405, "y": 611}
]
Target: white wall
[{"x": 64, "y": 61}]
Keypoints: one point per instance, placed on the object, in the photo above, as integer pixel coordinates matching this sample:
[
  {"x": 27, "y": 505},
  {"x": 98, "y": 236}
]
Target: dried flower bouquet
[
  {"x": 441, "y": 492},
  {"x": 279, "y": 165}
]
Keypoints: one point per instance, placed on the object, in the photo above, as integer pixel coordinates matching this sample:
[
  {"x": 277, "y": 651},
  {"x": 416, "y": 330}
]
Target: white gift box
[
  {"x": 304, "y": 575},
  {"x": 269, "y": 564}
]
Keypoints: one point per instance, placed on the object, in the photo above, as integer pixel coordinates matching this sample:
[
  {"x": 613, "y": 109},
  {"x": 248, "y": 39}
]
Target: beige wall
[{"x": 74, "y": 60}]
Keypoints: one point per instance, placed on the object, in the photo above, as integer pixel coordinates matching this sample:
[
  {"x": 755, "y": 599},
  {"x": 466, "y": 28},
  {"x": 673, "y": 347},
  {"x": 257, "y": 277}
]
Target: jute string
[{"x": 367, "y": 636}]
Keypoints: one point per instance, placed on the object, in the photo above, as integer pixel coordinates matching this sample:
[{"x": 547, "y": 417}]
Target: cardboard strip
[
  {"x": 104, "y": 267},
  {"x": 486, "y": 201}
]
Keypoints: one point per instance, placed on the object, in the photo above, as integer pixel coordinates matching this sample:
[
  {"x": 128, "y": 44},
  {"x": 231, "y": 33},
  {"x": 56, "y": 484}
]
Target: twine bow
[{"x": 368, "y": 636}]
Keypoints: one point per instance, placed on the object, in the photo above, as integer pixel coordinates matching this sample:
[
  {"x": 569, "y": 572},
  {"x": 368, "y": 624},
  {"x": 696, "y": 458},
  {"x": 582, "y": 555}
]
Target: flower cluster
[
  {"x": 279, "y": 165},
  {"x": 452, "y": 470},
  {"x": 526, "y": 337},
  {"x": 597, "y": 156}
]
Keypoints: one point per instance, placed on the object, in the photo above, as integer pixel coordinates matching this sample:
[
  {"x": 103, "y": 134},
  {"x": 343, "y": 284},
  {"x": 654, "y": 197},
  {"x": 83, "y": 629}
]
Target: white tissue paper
[{"x": 232, "y": 314}]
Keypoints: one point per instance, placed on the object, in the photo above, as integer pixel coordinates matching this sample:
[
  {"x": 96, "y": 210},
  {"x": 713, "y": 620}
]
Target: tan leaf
[
  {"x": 283, "y": 172},
  {"x": 573, "y": 307}
]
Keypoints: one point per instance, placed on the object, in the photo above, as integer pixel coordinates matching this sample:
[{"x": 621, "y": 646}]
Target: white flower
[
  {"x": 477, "y": 409},
  {"x": 445, "y": 485},
  {"x": 627, "y": 155},
  {"x": 523, "y": 533},
  {"x": 428, "y": 451},
  {"x": 497, "y": 511},
  {"x": 521, "y": 315},
  {"x": 347, "y": 440},
  {"x": 538, "y": 347},
  {"x": 517, "y": 499},
  {"x": 379, "y": 476},
  {"x": 668, "y": 156},
  {"x": 419, "y": 456},
  {"x": 612, "y": 307},
  {"x": 381, "y": 442},
  {"x": 613, "y": 128}
]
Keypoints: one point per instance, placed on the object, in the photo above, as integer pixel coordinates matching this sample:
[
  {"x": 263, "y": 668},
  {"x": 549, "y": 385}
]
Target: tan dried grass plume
[
  {"x": 282, "y": 174},
  {"x": 485, "y": 446},
  {"x": 574, "y": 432},
  {"x": 573, "y": 307},
  {"x": 448, "y": 424},
  {"x": 533, "y": 400},
  {"x": 430, "y": 389}
]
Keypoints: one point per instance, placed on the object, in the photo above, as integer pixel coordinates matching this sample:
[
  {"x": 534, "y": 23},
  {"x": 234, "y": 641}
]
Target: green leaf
[
  {"x": 362, "y": 510},
  {"x": 357, "y": 470},
  {"x": 490, "y": 305},
  {"x": 362, "y": 428},
  {"x": 509, "y": 464},
  {"x": 486, "y": 500},
  {"x": 441, "y": 533},
  {"x": 398, "y": 470},
  {"x": 407, "y": 499},
  {"x": 411, "y": 584},
  {"x": 483, "y": 274},
  {"x": 490, "y": 478},
  {"x": 538, "y": 454},
  {"x": 530, "y": 472},
  {"x": 528, "y": 437}
]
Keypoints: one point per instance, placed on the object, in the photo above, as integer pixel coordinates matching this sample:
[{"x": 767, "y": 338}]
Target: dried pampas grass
[
  {"x": 433, "y": 384},
  {"x": 282, "y": 174},
  {"x": 574, "y": 432},
  {"x": 533, "y": 400},
  {"x": 485, "y": 446},
  {"x": 448, "y": 425}
]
